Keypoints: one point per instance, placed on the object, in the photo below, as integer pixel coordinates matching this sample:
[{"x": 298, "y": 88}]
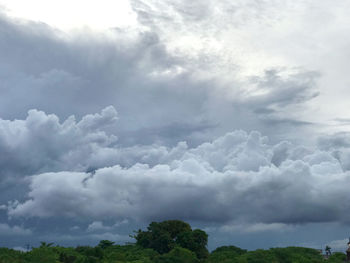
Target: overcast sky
[{"x": 231, "y": 115}]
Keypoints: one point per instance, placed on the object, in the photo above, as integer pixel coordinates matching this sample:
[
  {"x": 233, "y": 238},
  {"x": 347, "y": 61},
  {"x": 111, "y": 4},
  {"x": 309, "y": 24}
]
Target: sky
[{"x": 230, "y": 115}]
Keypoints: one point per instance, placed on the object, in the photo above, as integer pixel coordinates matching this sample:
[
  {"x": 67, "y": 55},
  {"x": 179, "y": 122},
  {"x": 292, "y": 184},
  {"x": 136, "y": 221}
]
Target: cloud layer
[
  {"x": 41, "y": 143},
  {"x": 197, "y": 87},
  {"x": 239, "y": 177},
  {"x": 162, "y": 95}
]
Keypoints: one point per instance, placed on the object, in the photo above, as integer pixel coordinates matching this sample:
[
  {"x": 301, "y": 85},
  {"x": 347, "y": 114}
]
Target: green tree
[
  {"x": 10, "y": 256},
  {"x": 226, "y": 254},
  {"x": 43, "y": 254},
  {"x": 337, "y": 257},
  {"x": 195, "y": 241},
  {"x": 44, "y": 244},
  {"x": 105, "y": 244},
  {"x": 178, "y": 255},
  {"x": 258, "y": 256},
  {"x": 165, "y": 236},
  {"x": 90, "y": 254},
  {"x": 161, "y": 236}
]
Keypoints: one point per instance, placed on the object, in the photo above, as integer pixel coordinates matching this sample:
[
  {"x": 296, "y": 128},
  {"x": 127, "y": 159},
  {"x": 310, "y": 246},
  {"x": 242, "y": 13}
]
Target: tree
[
  {"x": 165, "y": 236},
  {"x": 105, "y": 244},
  {"x": 195, "y": 241},
  {"x": 44, "y": 244},
  {"x": 161, "y": 236},
  {"x": 178, "y": 255},
  {"x": 226, "y": 254},
  {"x": 337, "y": 257}
]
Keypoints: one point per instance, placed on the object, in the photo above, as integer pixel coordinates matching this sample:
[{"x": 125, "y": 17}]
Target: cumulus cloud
[
  {"x": 162, "y": 95},
  {"x": 7, "y": 230},
  {"x": 339, "y": 245},
  {"x": 184, "y": 76},
  {"x": 41, "y": 142},
  {"x": 98, "y": 226},
  {"x": 235, "y": 178},
  {"x": 339, "y": 145}
]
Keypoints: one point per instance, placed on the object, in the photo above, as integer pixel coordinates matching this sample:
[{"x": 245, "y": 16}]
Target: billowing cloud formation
[
  {"x": 161, "y": 95},
  {"x": 339, "y": 145},
  {"x": 41, "y": 143},
  {"x": 182, "y": 78},
  {"x": 238, "y": 177}
]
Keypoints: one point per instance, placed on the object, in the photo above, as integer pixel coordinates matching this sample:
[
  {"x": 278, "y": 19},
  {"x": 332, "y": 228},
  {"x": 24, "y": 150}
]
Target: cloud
[
  {"x": 182, "y": 79},
  {"x": 238, "y": 177},
  {"x": 86, "y": 238},
  {"x": 250, "y": 37},
  {"x": 339, "y": 145},
  {"x": 97, "y": 226},
  {"x": 42, "y": 143},
  {"x": 7, "y": 230},
  {"x": 339, "y": 245},
  {"x": 22, "y": 249},
  {"x": 162, "y": 95},
  {"x": 258, "y": 227}
]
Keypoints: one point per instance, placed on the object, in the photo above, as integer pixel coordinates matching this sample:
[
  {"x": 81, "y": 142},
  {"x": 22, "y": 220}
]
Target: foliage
[
  {"x": 337, "y": 257},
  {"x": 182, "y": 245},
  {"x": 297, "y": 255},
  {"x": 165, "y": 236},
  {"x": 162, "y": 236},
  {"x": 43, "y": 254},
  {"x": 178, "y": 255},
  {"x": 226, "y": 254},
  {"x": 10, "y": 256},
  {"x": 195, "y": 241},
  {"x": 105, "y": 244}
]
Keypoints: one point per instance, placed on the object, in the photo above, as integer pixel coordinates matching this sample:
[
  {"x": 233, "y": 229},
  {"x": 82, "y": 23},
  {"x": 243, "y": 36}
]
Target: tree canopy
[
  {"x": 165, "y": 236},
  {"x": 181, "y": 245}
]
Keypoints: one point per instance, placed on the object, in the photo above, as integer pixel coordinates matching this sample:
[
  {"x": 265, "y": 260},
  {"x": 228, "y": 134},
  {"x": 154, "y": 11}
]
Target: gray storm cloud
[
  {"x": 161, "y": 95},
  {"x": 215, "y": 116},
  {"x": 42, "y": 143},
  {"x": 238, "y": 177}
]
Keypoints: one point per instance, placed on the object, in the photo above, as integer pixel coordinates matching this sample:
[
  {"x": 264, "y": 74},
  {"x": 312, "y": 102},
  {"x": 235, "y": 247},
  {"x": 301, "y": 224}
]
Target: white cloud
[
  {"x": 258, "y": 227},
  {"x": 247, "y": 37},
  {"x": 41, "y": 142},
  {"x": 230, "y": 179},
  {"x": 7, "y": 230},
  {"x": 339, "y": 245},
  {"x": 22, "y": 249},
  {"x": 138, "y": 73},
  {"x": 97, "y": 226},
  {"x": 98, "y": 15}
]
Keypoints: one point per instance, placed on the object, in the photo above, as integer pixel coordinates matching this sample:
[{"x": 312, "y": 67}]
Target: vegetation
[
  {"x": 170, "y": 241},
  {"x": 165, "y": 236}
]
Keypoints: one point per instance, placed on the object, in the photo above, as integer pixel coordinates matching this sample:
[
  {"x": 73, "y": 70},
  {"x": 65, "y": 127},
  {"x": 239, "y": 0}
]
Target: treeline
[{"x": 170, "y": 241}]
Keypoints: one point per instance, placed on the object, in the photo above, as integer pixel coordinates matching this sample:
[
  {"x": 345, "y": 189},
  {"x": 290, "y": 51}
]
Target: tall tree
[{"x": 165, "y": 236}]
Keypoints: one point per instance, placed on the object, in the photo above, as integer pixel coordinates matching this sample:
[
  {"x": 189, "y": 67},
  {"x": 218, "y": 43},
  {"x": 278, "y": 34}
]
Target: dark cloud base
[{"x": 80, "y": 171}]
